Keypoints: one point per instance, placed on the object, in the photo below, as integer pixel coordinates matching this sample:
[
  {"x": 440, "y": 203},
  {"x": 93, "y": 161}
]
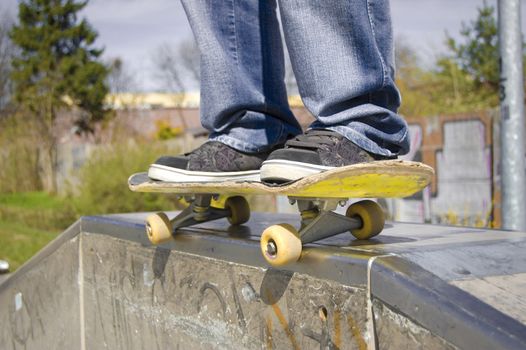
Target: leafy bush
[
  {"x": 19, "y": 155},
  {"x": 103, "y": 188},
  {"x": 165, "y": 131}
]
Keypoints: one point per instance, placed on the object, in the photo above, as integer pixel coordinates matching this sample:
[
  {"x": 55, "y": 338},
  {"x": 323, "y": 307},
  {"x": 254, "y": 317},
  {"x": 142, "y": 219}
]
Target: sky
[{"x": 133, "y": 29}]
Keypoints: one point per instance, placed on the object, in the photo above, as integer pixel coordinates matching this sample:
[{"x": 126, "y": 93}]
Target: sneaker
[
  {"x": 212, "y": 162},
  {"x": 311, "y": 153}
]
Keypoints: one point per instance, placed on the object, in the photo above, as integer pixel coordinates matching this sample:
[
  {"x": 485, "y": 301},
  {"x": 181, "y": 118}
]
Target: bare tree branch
[
  {"x": 190, "y": 60},
  {"x": 177, "y": 67},
  {"x": 120, "y": 79},
  {"x": 7, "y": 51}
]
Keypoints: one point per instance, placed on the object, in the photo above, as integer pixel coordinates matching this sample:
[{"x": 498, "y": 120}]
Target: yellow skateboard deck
[
  {"x": 316, "y": 195},
  {"x": 389, "y": 178}
]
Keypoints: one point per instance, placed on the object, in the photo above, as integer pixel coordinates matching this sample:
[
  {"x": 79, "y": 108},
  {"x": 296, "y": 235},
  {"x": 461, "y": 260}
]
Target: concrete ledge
[
  {"x": 447, "y": 311},
  {"x": 101, "y": 284}
]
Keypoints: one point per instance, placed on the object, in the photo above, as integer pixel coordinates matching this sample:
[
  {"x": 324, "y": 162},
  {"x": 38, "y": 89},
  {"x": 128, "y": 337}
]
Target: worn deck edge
[{"x": 387, "y": 167}]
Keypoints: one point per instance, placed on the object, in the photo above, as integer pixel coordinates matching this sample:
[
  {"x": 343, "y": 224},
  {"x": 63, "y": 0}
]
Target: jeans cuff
[{"x": 248, "y": 147}]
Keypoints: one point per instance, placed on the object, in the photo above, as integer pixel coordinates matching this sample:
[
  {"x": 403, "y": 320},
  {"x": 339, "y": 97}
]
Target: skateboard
[{"x": 317, "y": 197}]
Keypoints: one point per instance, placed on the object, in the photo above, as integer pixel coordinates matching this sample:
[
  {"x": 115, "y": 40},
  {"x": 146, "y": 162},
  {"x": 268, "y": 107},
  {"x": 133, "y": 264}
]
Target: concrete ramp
[{"x": 102, "y": 285}]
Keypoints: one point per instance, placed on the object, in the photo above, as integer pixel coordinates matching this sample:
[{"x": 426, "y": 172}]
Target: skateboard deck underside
[{"x": 382, "y": 179}]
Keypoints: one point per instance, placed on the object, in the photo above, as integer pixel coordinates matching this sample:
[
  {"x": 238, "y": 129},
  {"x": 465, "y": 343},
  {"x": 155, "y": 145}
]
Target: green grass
[
  {"x": 28, "y": 221},
  {"x": 36, "y": 209},
  {"x": 19, "y": 242},
  {"x": 30, "y": 200}
]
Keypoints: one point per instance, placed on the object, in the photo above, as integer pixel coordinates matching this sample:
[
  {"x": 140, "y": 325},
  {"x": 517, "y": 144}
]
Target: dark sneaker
[
  {"x": 212, "y": 162},
  {"x": 313, "y": 152}
]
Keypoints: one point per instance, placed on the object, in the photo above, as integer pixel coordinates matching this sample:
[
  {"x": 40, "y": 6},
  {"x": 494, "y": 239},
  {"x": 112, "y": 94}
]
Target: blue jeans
[{"x": 342, "y": 57}]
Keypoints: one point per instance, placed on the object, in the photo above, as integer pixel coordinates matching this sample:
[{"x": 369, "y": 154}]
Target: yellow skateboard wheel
[
  {"x": 239, "y": 210},
  {"x": 158, "y": 228},
  {"x": 371, "y": 215},
  {"x": 280, "y": 245}
]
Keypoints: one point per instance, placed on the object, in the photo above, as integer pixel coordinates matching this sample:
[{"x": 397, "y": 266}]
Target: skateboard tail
[{"x": 366, "y": 186}]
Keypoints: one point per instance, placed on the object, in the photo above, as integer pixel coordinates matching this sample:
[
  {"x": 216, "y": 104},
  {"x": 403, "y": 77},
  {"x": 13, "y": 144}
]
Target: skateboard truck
[
  {"x": 282, "y": 244},
  {"x": 160, "y": 229}
]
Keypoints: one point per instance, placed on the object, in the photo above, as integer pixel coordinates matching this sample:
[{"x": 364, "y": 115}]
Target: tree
[
  {"x": 178, "y": 67},
  {"x": 412, "y": 81},
  {"x": 466, "y": 78},
  {"x": 119, "y": 78},
  {"x": 57, "y": 68},
  {"x": 7, "y": 51},
  {"x": 478, "y": 52},
  {"x": 475, "y": 59}
]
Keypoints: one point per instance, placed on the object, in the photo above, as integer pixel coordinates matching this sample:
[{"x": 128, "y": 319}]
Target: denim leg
[
  {"x": 342, "y": 56},
  {"x": 243, "y": 97}
]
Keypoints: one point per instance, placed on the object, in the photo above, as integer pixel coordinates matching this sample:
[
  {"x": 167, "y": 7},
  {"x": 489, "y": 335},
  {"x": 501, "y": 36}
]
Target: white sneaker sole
[
  {"x": 169, "y": 174},
  {"x": 288, "y": 170}
]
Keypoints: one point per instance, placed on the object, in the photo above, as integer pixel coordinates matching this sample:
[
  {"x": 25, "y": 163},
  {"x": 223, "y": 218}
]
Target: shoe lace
[{"x": 314, "y": 139}]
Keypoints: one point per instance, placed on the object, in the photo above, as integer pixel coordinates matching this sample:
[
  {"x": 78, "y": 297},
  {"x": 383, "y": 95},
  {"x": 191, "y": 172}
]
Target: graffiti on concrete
[
  {"x": 460, "y": 149},
  {"x": 108, "y": 292},
  {"x": 221, "y": 305}
]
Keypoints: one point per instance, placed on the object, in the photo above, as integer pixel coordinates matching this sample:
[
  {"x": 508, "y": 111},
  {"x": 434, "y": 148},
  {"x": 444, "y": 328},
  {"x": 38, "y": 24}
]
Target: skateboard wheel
[
  {"x": 280, "y": 244},
  {"x": 158, "y": 228},
  {"x": 239, "y": 210},
  {"x": 371, "y": 215}
]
